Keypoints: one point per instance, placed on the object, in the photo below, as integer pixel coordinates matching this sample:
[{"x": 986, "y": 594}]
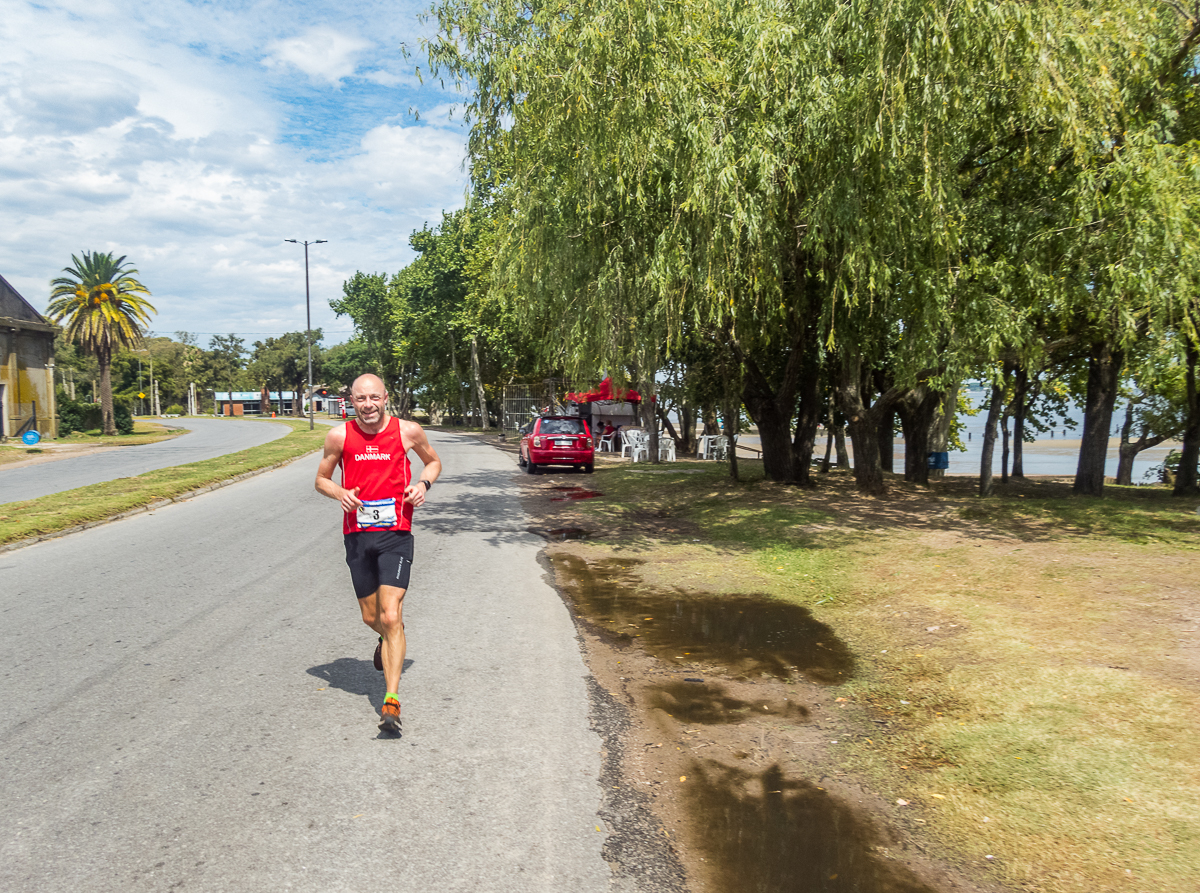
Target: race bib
[{"x": 377, "y": 513}]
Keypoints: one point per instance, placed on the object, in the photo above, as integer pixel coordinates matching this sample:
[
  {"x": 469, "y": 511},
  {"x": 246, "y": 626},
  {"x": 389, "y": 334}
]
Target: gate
[{"x": 523, "y": 402}]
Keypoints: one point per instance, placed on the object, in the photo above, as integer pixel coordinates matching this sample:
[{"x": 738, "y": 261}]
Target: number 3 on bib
[{"x": 377, "y": 513}]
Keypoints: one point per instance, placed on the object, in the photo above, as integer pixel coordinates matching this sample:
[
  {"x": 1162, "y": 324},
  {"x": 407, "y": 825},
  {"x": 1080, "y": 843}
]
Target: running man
[{"x": 378, "y": 495}]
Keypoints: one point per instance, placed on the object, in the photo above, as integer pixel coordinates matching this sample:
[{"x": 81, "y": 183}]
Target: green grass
[
  {"x": 61, "y": 511},
  {"x": 1018, "y": 650},
  {"x": 144, "y": 431},
  {"x": 1130, "y": 514}
]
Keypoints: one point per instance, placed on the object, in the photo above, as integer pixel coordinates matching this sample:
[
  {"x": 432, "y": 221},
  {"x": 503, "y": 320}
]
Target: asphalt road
[
  {"x": 188, "y": 703},
  {"x": 206, "y": 439}
]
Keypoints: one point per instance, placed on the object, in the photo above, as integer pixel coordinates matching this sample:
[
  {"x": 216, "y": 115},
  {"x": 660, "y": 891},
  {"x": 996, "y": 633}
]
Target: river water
[{"x": 1048, "y": 455}]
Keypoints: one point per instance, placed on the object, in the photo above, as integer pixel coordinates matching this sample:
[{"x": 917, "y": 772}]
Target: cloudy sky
[{"x": 194, "y": 137}]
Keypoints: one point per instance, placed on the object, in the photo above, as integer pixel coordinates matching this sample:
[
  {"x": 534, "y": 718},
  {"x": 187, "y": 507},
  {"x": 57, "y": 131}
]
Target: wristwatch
[{"x": 427, "y": 484}]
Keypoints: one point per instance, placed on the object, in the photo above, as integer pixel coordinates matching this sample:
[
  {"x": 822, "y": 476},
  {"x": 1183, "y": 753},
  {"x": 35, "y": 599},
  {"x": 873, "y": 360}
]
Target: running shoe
[{"x": 391, "y": 716}]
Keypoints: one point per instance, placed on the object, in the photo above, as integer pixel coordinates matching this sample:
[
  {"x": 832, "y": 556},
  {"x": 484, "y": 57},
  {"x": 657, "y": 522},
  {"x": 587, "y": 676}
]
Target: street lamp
[{"x": 308, "y": 321}]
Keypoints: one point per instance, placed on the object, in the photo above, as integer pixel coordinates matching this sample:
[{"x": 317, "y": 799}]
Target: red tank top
[{"x": 378, "y": 464}]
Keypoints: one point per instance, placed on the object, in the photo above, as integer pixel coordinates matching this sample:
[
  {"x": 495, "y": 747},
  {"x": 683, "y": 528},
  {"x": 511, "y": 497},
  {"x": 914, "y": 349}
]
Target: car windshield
[{"x": 561, "y": 426}]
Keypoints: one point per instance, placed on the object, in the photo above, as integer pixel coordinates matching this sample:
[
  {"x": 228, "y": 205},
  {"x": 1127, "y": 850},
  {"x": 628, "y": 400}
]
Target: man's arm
[
  {"x": 414, "y": 495},
  {"x": 335, "y": 441}
]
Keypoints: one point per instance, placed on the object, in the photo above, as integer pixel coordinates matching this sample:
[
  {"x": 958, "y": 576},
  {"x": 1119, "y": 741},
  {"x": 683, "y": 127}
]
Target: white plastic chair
[
  {"x": 635, "y": 441},
  {"x": 666, "y": 449},
  {"x": 719, "y": 447},
  {"x": 711, "y": 446}
]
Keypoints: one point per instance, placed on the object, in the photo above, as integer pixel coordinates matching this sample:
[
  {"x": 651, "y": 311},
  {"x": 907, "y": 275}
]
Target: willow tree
[
  {"x": 820, "y": 183},
  {"x": 105, "y": 308}
]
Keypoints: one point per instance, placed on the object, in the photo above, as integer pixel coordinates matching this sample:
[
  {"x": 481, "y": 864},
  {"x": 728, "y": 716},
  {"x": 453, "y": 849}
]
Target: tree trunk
[
  {"x": 108, "y": 422},
  {"x": 887, "y": 442},
  {"x": 1020, "y": 410},
  {"x": 649, "y": 404},
  {"x": 989, "y": 440},
  {"x": 687, "y": 429},
  {"x": 868, "y": 469},
  {"x": 1004, "y": 448},
  {"x": 808, "y": 419},
  {"x": 458, "y": 382},
  {"x": 712, "y": 425},
  {"x": 773, "y": 400},
  {"x": 1186, "y": 479},
  {"x": 1126, "y": 452},
  {"x": 939, "y": 429},
  {"x": 1104, "y": 375},
  {"x": 480, "y": 395},
  {"x": 864, "y": 423},
  {"x": 771, "y": 405},
  {"x": 839, "y": 445},
  {"x": 828, "y": 449},
  {"x": 731, "y": 429},
  {"x": 917, "y": 411},
  {"x": 775, "y": 434}
]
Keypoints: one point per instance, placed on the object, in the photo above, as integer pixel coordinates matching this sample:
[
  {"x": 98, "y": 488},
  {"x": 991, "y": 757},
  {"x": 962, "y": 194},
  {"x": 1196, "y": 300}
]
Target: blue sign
[{"x": 31, "y": 437}]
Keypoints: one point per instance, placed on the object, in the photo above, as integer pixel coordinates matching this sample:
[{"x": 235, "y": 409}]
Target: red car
[{"x": 556, "y": 440}]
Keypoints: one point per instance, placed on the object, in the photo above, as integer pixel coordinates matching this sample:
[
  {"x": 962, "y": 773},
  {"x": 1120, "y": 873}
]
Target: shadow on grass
[{"x": 757, "y": 513}]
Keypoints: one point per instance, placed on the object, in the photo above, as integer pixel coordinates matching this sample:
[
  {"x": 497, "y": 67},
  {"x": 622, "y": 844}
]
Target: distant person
[{"x": 377, "y": 496}]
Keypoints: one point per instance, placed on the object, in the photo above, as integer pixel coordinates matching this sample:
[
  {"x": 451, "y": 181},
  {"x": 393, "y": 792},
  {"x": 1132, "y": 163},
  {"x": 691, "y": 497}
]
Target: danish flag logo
[{"x": 372, "y": 449}]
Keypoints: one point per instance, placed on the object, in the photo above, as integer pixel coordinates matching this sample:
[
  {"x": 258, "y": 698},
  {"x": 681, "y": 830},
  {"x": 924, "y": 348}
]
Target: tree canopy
[{"x": 900, "y": 195}]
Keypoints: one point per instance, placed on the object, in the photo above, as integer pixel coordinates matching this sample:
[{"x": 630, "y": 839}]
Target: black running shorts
[{"x": 379, "y": 558}]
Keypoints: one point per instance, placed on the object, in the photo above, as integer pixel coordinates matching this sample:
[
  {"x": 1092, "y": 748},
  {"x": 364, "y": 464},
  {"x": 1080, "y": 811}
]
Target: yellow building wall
[{"x": 27, "y": 380}]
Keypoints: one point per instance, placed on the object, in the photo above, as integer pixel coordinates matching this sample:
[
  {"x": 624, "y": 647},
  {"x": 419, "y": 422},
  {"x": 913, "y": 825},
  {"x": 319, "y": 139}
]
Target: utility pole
[{"x": 308, "y": 323}]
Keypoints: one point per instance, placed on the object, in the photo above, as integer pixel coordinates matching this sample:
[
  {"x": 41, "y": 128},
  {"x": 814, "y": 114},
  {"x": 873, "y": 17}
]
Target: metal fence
[{"x": 525, "y": 401}]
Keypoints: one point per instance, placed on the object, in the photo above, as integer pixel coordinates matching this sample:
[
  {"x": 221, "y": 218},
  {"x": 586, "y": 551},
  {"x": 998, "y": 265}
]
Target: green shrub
[
  {"x": 123, "y": 414},
  {"x": 175, "y": 409},
  {"x": 74, "y": 416}
]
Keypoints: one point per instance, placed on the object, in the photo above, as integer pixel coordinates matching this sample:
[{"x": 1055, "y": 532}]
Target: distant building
[
  {"x": 250, "y": 402},
  {"x": 26, "y": 367}
]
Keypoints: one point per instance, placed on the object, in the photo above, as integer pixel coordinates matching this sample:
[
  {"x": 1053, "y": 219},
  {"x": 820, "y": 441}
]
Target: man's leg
[
  {"x": 369, "y": 606},
  {"x": 383, "y": 611}
]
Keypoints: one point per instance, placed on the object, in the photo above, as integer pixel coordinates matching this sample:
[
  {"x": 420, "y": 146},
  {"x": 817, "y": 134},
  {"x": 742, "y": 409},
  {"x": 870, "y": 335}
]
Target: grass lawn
[
  {"x": 60, "y": 511},
  {"x": 1028, "y": 666},
  {"x": 143, "y": 432}
]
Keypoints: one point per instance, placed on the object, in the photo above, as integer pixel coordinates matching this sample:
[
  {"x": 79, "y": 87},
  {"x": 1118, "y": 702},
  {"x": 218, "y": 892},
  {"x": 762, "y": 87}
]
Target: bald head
[{"x": 368, "y": 383}]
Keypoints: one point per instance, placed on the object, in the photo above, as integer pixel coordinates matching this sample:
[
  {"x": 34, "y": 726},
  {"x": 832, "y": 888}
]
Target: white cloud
[
  {"x": 321, "y": 53},
  {"x": 74, "y": 97},
  {"x": 179, "y": 148}
]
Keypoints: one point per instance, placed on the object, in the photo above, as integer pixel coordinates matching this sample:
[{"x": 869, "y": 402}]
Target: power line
[{"x": 190, "y": 332}]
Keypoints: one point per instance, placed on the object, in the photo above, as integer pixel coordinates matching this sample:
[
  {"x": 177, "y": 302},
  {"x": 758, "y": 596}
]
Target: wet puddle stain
[
  {"x": 560, "y": 534},
  {"x": 768, "y": 833},
  {"x": 760, "y": 831},
  {"x": 746, "y": 635},
  {"x": 574, "y": 492},
  {"x": 707, "y": 704}
]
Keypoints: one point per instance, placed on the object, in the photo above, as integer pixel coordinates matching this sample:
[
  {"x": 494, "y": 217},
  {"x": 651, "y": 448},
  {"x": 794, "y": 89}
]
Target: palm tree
[{"x": 105, "y": 309}]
